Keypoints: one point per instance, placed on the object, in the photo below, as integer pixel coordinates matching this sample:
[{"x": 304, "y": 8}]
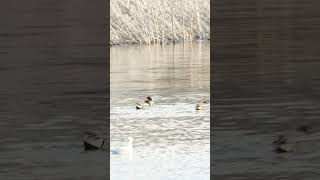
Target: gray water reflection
[
  {"x": 266, "y": 83},
  {"x": 52, "y": 74},
  {"x": 250, "y": 118},
  {"x": 171, "y": 138}
]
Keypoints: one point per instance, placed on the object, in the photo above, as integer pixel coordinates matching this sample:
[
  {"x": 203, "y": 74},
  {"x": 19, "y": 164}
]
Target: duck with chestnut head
[{"x": 147, "y": 101}]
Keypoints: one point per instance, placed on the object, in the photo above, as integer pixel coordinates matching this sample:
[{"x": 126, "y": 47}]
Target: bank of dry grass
[{"x": 158, "y": 21}]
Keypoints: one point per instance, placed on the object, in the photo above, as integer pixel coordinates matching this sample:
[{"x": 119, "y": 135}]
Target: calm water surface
[
  {"x": 252, "y": 112},
  {"x": 53, "y": 87},
  {"x": 266, "y": 83},
  {"x": 171, "y": 138}
]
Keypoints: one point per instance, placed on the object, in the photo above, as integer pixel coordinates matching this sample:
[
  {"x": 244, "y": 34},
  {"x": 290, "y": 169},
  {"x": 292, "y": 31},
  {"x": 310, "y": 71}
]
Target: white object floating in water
[{"x": 122, "y": 150}]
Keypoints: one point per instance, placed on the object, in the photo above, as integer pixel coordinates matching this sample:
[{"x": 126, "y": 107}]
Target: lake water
[
  {"x": 53, "y": 87},
  {"x": 266, "y": 83},
  {"x": 171, "y": 139}
]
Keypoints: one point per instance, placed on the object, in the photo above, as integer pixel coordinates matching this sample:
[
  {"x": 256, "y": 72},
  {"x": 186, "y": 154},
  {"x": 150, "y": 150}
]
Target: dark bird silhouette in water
[
  {"x": 91, "y": 141},
  {"x": 281, "y": 145}
]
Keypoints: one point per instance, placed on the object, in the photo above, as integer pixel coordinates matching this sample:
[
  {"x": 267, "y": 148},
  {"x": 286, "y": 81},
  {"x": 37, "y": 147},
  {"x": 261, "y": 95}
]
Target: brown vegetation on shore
[{"x": 158, "y": 21}]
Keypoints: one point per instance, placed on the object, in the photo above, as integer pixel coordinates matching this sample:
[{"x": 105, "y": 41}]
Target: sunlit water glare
[{"x": 171, "y": 138}]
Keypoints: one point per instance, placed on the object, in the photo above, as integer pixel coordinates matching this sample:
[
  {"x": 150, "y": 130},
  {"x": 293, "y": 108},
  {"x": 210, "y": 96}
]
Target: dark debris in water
[{"x": 304, "y": 128}]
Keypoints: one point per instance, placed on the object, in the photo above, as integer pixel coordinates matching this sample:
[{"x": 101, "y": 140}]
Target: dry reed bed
[{"x": 158, "y": 21}]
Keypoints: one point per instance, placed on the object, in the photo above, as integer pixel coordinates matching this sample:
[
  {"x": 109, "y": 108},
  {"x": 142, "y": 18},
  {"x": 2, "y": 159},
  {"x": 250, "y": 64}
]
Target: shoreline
[
  {"x": 168, "y": 42},
  {"x": 158, "y": 22}
]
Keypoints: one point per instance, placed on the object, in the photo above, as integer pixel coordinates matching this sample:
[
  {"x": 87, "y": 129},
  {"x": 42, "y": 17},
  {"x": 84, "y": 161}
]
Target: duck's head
[{"x": 148, "y": 100}]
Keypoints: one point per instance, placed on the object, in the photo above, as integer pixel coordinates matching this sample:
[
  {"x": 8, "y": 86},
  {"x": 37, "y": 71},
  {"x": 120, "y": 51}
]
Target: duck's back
[{"x": 91, "y": 141}]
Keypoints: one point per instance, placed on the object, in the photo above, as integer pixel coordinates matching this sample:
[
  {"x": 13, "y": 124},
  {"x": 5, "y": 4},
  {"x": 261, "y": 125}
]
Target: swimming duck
[
  {"x": 148, "y": 100},
  {"x": 91, "y": 141},
  {"x": 205, "y": 101},
  {"x": 281, "y": 145},
  {"x": 198, "y": 107}
]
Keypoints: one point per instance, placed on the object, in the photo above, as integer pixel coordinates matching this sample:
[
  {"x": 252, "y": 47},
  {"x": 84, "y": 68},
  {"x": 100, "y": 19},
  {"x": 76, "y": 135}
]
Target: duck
[
  {"x": 205, "y": 101},
  {"x": 139, "y": 105},
  {"x": 198, "y": 107},
  {"x": 281, "y": 145},
  {"x": 91, "y": 141},
  {"x": 202, "y": 103},
  {"x": 148, "y": 100}
]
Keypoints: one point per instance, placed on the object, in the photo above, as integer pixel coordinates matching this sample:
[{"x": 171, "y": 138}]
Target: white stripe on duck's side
[{"x": 139, "y": 105}]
